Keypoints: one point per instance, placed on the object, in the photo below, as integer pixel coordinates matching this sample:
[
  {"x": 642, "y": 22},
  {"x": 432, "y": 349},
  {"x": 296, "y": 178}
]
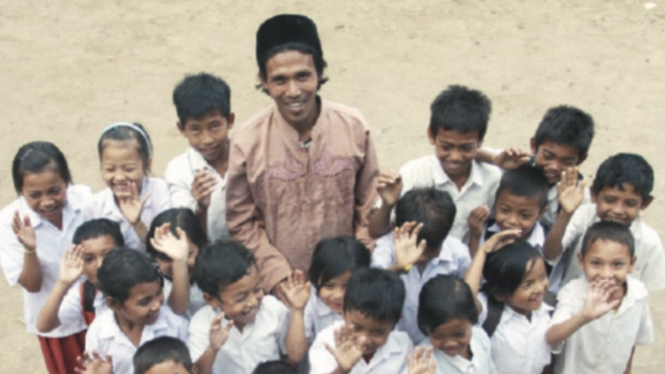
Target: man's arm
[{"x": 365, "y": 193}]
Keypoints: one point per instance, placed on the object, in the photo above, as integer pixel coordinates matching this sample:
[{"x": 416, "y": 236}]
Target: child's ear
[
  {"x": 646, "y": 202},
  {"x": 231, "y": 120},
  {"x": 580, "y": 260},
  {"x": 500, "y": 298},
  {"x": 430, "y": 136},
  {"x": 212, "y": 301},
  {"x": 581, "y": 159},
  {"x": 148, "y": 165},
  {"x": 633, "y": 261},
  {"x": 532, "y": 142},
  {"x": 180, "y": 127},
  {"x": 594, "y": 197},
  {"x": 114, "y": 304}
]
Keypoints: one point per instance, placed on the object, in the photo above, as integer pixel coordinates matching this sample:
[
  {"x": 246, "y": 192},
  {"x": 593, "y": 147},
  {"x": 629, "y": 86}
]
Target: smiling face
[
  {"x": 332, "y": 292},
  {"x": 529, "y": 294},
  {"x": 620, "y": 204},
  {"x": 122, "y": 164},
  {"x": 241, "y": 300},
  {"x": 142, "y": 305},
  {"x": 375, "y": 332},
  {"x": 94, "y": 251},
  {"x": 165, "y": 262},
  {"x": 46, "y": 194},
  {"x": 514, "y": 212},
  {"x": 607, "y": 260},
  {"x": 292, "y": 82},
  {"x": 455, "y": 151},
  {"x": 208, "y": 135},
  {"x": 553, "y": 158},
  {"x": 453, "y": 337}
]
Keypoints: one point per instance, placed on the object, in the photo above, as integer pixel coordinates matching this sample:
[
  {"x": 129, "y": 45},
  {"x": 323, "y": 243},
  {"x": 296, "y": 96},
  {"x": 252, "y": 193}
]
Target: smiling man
[{"x": 303, "y": 169}]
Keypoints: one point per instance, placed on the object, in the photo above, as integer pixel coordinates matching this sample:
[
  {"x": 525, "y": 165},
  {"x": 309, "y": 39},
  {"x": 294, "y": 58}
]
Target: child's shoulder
[
  {"x": 400, "y": 339},
  {"x": 636, "y": 289},
  {"x": 271, "y": 306},
  {"x": 488, "y": 172},
  {"x": 419, "y": 166}
]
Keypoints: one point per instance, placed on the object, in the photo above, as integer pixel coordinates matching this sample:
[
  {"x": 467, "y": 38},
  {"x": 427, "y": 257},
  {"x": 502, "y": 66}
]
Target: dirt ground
[{"x": 69, "y": 68}]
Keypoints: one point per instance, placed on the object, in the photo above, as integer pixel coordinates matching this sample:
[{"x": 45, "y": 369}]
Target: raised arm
[
  {"x": 177, "y": 249},
  {"x": 570, "y": 195},
  {"x": 297, "y": 292},
  {"x": 389, "y": 187},
  {"x": 475, "y": 273},
  {"x": 365, "y": 193},
  {"x": 31, "y": 274}
]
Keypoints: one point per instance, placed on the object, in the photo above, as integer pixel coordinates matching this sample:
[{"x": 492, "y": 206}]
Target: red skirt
[{"x": 60, "y": 353}]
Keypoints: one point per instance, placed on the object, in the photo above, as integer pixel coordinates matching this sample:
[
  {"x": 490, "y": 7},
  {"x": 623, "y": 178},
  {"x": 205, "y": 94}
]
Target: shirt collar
[
  {"x": 440, "y": 177},
  {"x": 111, "y": 330},
  {"x": 509, "y": 312},
  {"x": 391, "y": 347},
  {"x": 322, "y": 310}
]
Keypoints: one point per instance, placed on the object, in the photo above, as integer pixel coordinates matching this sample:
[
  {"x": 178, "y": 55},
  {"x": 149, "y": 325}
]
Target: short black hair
[
  {"x": 35, "y": 157},
  {"x": 566, "y": 125},
  {"x": 625, "y": 168},
  {"x": 96, "y": 228},
  {"x": 336, "y": 256},
  {"x": 610, "y": 231},
  {"x": 221, "y": 263},
  {"x": 274, "y": 367},
  {"x": 319, "y": 63},
  {"x": 182, "y": 218},
  {"x": 460, "y": 109},
  {"x": 445, "y": 298},
  {"x": 525, "y": 181},
  {"x": 200, "y": 95},
  {"x": 119, "y": 132},
  {"x": 122, "y": 269},
  {"x": 376, "y": 293},
  {"x": 162, "y": 349},
  {"x": 433, "y": 208},
  {"x": 505, "y": 268}
]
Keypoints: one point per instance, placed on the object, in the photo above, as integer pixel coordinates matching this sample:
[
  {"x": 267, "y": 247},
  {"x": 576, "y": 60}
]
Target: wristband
[{"x": 29, "y": 251}]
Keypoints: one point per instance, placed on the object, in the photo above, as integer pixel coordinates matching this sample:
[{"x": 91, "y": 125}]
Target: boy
[
  {"x": 197, "y": 178},
  {"x": 420, "y": 248},
  {"x": 595, "y": 340},
  {"x": 259, "y": 328},
  {"x": 365, "y": 342},
  {"x": 621, "y": 189},
  {"x": 275, "y": 367},
  {"x": 164, "y": 355},
  {"x": 457, "y": 128},
  {"x": 68, "y": 304}
]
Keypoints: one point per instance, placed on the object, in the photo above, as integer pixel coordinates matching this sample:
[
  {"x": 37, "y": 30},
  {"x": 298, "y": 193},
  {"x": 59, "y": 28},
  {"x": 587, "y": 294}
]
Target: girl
[
  {"x": 447, "y": 314},
  {"x": 512, "y": 310},
  {"x": 133, "y": 291},
  {"x": 175, "y": 238},
  {"x": 132, "y": 198},
  {"x": 35, "y": 229}
]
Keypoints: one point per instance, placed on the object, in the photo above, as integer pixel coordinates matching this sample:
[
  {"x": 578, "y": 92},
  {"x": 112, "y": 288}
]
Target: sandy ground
[{"x": 69, "y": 68}]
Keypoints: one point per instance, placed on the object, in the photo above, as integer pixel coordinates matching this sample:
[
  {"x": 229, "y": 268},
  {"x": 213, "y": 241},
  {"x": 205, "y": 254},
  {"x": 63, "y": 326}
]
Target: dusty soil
[{"x": 68, "y": 68}]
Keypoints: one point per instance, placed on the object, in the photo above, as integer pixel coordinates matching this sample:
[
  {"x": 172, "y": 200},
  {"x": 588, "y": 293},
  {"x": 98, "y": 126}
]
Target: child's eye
[
  {"x": 618, "y": 264},
  {"x": 145, "y": 301},
  {"x": 87, "y": 260}
]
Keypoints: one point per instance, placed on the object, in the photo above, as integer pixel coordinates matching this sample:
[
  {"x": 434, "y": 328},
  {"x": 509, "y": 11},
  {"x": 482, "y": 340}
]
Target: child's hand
[
  {"x": 477, "y": 219},
  {"x": 499, "y": 240},
  {"x": 218, "y": 333},
  {"x": 24, "y": 231},
  {"x": 420, "y": 361},
  {"x": 131, "y": 206},
  {"x": 597, "y": 301},
  {"x": 389, "y": 187},
  {"x": 177, "y": 249},
  {"x": 94, "y": 365},
  {"x": 348, "y": 348},
  {"x": 296, "y": 290},
  {"x": 571, "y": 193},
  {"x": 407, "y": 251},
  {"x": 202, "y": 187},
  {"x": 71, "y": 265},
  {"x": 511, "y": 158}
]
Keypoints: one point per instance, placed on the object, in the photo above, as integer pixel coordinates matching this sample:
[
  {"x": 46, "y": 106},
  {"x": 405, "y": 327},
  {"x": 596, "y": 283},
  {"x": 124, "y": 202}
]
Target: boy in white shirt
[
  {"x": 366, "y": 341},
  {"x": 601, "y": 317},
  {"x": 197, "y": 178},
  {"x": 420, "y": 248}
]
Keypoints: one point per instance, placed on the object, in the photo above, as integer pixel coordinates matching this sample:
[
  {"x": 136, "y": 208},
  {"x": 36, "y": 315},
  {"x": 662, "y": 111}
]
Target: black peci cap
[{"x": 286, "y": 28}]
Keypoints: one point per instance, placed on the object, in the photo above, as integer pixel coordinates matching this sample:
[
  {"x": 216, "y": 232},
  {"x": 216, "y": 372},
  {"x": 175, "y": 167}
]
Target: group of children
[{"x": 485, "y": 261}]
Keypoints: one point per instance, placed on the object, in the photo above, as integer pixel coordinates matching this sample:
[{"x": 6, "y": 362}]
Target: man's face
[
  {"x": 553, "y": 158},
  {"x": 292, "y": 81}
]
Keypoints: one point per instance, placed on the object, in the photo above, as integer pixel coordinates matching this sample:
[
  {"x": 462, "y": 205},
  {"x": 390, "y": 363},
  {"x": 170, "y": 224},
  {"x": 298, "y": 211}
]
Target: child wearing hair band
[
  {"x": 132, "y": 198},
  {"x": 35, "y": 230}
]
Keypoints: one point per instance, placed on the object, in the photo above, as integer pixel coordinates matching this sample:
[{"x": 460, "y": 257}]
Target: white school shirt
[
  {"x": 480, "y": 363},
  {"x": 650, "y": 264},
  {"x": 103, "y": 205},
  {"x": 179, "y": 175},
  {"x": 71, "y": 309},
  {"x": 387, "y": 359},
  {"x": 106, "y": 337},
  {"x": 479, "y": 189},
  {"x": 518, "y": 344},
  {"x": 196, "y": 300},
  {"x": 536, "y": 239},
  {"x": 260, "y": 341},
  {"x": 51, "y": 243},
  {"x": 454, "y": 259},
  {"x": 603, "y": 345},
  {"x": 318, "y": 316}
]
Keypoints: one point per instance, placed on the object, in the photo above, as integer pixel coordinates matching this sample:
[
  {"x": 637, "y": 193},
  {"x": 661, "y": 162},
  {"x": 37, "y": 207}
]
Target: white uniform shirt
[
  {"x": 196, "y": 300},
  {"x": 103, "y": 205},
  {"x": 480, "y": 363},
  {"x": 71, "y": 308},
  {"x": 603, "y": 345},
  {"x": 518, "y": 344},
  {"x": 179, "y": 175},
  {"x": 318, "y": 316},
  {"x": 480, "y": 188},
  {"x": 389, "y": 358},
  {"x": 51, "y": 243},
  {"x": 453, "y": 259},
  {"x": 105, "y": 336},
  {"x": 260, "y": 341},
  {"x": 536, "y": 239}
]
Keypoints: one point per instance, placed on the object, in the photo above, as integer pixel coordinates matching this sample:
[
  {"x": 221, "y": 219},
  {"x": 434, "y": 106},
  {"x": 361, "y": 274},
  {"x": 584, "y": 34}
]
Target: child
[
  {"x": 175, "y": 238},
  {"x": 35, "y": 229},
  {"x": 259, "y": 328},
  {"x": 457, "y": 128},
  {"x": 197, "y": 178},
  {"x": 447, "y": 315},
  {"x": 133, "y": 291},
  {"x": 274, "y": 367},
  {"x": 69, "y": 304},
  {"x": 589, "y": 337},
  {"x": 621, "y": 189},
  {"x": 521, "y": 200},
  {"x": 365, "y": 342},
  {"x": 132, "y": 198},
  {"x": 512, "y": 311},
  {"x": 420, "y": 248},
  {"x": 333, "y": 263}
]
